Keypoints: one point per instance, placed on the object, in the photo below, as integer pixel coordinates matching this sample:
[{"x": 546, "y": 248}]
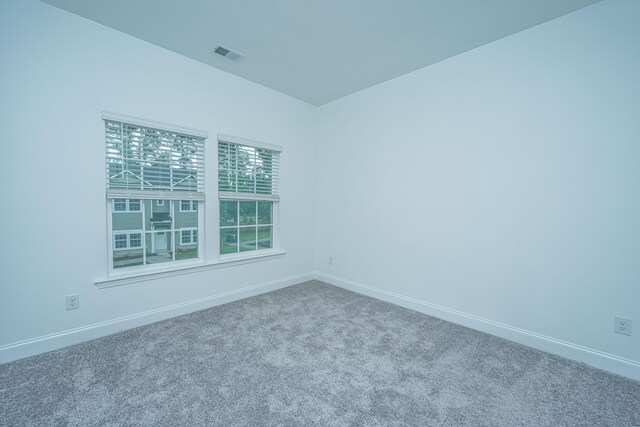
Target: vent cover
[{"x": 228, "y": 53}]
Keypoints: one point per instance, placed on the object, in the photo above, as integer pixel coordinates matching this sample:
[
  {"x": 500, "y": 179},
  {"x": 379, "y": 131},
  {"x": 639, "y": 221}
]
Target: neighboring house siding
[
  {"x": 127, "y": 221},
  {"x": 156, "y": 208},
  {"x": 155, "y": 211},
  {"x": 186, "y": 219},
  {"x": 133, "y": 221}
]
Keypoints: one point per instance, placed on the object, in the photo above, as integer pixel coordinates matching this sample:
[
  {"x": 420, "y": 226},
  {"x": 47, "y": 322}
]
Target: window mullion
[
  {"x": 172, "y": 233},
  {"x": 236, "y": 170},
  {"x": 144, "y": 232}
]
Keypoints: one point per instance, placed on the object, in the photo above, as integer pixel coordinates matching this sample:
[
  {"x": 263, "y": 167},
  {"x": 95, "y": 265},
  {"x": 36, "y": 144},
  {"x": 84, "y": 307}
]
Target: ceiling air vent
[{"x": 228, "y": 53}]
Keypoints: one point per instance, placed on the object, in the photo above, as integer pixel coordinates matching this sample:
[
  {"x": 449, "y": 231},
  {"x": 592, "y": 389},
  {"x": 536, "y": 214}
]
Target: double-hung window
[
  {"x": 153, "y": 172},
  {"x": 188, "y": 205},
  {"x": 248, "y": 189},
  {"x": 126, "y": 205}
]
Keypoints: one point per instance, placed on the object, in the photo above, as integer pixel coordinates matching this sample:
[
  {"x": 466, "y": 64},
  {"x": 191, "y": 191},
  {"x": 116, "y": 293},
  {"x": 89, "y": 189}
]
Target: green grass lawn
[
  {"x": 186, "y": 255},
  {"x": 230, "y": 247}
]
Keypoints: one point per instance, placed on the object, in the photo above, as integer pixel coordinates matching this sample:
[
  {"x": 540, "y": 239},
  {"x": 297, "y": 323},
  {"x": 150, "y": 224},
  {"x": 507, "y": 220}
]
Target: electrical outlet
[
  {"x": 330, "y": 260},
  {"x": 73, "y": 301},
  {"x": 622, "y": 326}
]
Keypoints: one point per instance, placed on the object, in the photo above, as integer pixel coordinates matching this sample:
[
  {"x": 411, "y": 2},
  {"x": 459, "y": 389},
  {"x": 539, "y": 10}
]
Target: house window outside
[
  {"x": 151, "y": 170},
  {"x": 135, "y": 240},
  {"x": 120, "y": 241},
  {"x": 127, "y": 240},
  {"x": 151, "y": 236},
  {"x": 188, "y": 206},
  {"x": 119, "y": 205},
  {"x": 189, "y": 237},
  {"x": 248, "y": 178},
  {"x": 126, "y": 205}
]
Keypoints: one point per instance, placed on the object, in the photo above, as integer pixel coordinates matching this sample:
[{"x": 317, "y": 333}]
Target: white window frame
[
  {"x": 160, "y": 202},
  {"x": 133, "y": 271},
  {"x": 123, "y": 275},
  {"x": 209, "y": 257},
  {"x": 240, "y": 197}
]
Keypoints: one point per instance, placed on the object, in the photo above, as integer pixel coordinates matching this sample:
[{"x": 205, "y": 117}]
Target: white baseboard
[
  {"x": 42, "y": 344},
  {"x": 598, "y": 359},
  {"x": 595, "y": 358}
]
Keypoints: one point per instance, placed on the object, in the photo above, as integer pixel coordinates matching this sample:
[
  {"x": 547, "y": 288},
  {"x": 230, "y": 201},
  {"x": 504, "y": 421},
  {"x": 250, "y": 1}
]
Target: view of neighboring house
[
  {"x": 153, "y": 231},
  {"x": 144, "y": 230}
]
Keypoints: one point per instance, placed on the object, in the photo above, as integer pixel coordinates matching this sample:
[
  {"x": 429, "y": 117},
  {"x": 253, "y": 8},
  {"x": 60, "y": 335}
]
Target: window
[
  {"x": 120, "y": 205},
  {"x": 188, "y": 206},
  {"x": 248, "y": 189},
  {"x": 127, "y": 240},
  {"x": 135, "y": 240},
  {"x": 126, "y": 205},
  {"x": 189, "y": 237},
  {"x": 152, "y": 170},
  {"x": 120, "y": 241}
]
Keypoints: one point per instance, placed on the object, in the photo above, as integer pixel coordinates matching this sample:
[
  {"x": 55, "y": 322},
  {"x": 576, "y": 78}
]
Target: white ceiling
[{"x": 321, "y": 50}]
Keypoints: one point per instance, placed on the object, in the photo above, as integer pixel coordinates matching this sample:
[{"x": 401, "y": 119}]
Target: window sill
[{"x": 225, "y": 261}]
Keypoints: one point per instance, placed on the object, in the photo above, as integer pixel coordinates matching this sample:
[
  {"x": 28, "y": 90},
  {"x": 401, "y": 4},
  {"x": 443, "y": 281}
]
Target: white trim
[
  {"x": 158, "y": 204},
  {"x": 248, "y": 255},
  {"x": 109, "y": 235},
  {"x": 596, "y": 358},
  {"x": 172, "y": 234},
  {"x": 202, "y": 238},
  {"x": 144, "y": 231},
  {"x": 249, "y": 142},
  {"x": 154, "y": 125},
  {"x": 31, "y": 347},
  {"x": 120, "y": 193},
  {"x": 178, "y": 268},
  {"x": 252, "y": 197}
]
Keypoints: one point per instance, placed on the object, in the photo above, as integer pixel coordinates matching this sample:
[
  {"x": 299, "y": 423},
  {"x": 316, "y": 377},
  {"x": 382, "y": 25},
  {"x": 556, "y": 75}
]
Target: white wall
[
  {"x": 58, "y": 73},
  {"x": 499, "y": 188}
]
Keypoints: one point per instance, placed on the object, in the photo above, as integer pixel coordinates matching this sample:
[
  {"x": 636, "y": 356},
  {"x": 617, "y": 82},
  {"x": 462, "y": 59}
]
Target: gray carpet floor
[{"x": 310, "y": 354}]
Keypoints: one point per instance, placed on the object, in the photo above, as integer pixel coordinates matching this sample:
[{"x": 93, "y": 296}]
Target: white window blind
[
  {"x": 149, "y": 162},
  {"x": 248, "y": 170}
]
